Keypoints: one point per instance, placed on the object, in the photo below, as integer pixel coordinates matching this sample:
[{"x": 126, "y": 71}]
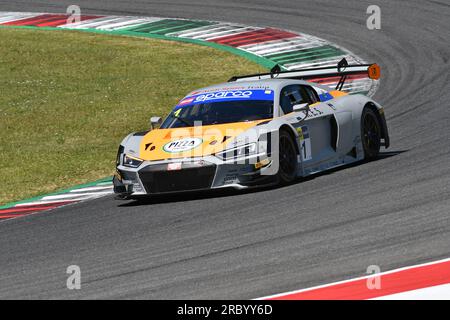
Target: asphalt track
[{"x": 392, "y": 212}]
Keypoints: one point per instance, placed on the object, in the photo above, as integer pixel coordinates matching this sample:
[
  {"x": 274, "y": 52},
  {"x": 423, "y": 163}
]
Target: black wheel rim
[
  {"x": 287, "y": 156},
  {"x": 371, "y": 132}
]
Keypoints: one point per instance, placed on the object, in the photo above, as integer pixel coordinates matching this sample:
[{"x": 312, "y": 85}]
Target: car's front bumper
[{"x": 160, "y": 177}]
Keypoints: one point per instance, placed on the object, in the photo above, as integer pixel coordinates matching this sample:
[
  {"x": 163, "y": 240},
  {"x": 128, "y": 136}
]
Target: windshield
[{"x": 221, "y": 107}]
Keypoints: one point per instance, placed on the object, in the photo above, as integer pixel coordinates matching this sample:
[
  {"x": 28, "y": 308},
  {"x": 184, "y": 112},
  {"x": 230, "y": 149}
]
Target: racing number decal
[
  {"x": 306, "y": 149},
  {"x": 305, "y": 143},
  {"x": 177, "y": 113}
]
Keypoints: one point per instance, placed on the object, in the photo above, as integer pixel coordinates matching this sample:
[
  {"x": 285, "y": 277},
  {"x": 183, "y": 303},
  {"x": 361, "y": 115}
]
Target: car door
[{"x": 315, "y": 131}]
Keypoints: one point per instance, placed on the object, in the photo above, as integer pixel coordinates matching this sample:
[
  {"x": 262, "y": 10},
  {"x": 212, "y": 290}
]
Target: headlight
[
  {"x": 129, "y": 161},
  {"x": 119, "y": 153},
  {"x": 238, "y": 152}
]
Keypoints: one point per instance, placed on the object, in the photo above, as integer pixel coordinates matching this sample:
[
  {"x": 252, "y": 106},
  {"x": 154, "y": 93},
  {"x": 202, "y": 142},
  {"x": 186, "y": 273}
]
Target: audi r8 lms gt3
[{"x": 251, "y": 131}]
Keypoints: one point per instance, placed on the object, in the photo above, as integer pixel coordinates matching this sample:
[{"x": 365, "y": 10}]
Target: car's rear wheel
[
  {"x": 370, "y": 133},
  {"x": 287, "y": 171}
]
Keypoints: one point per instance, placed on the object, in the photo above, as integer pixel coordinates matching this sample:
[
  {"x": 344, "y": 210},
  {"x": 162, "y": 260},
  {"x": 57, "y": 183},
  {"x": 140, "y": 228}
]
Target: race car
[{"x": 252, "y": 131}]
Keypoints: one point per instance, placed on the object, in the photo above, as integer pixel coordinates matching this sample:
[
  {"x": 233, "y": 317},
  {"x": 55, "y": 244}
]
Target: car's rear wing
[{"x": 343, "y": 69}]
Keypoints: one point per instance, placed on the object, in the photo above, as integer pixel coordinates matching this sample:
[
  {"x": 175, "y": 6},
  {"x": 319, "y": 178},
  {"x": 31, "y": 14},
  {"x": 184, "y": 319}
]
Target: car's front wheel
[
  {"x": 370, "y": 133},
  {"x": 287, "y": 171}
]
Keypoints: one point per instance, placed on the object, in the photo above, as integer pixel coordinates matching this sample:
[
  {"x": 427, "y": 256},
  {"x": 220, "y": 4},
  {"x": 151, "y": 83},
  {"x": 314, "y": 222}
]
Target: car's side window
[
  {"x": 289, "y": 96},
  {"x": 295, "y": 94},
  {"x": 313, "y": 97}
]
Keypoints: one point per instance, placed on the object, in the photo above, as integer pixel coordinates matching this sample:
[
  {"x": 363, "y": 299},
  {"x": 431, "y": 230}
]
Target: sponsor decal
[
  {"x": 332, "y": 106},
  {"x": 224, "y": 95},
  {"x": 193, "y": 93},
  {"x": 325, "y": 96},
  {"x": 182, "y": 145},
  {"x": 305, "y": 132},
  {"x": 300, "y": 133},
  {"x": 227, "y": 95},
  {"x": 262, "y": 163},
  {"x": 174, "y": 166},
  {"x": 186, "y": 101},
  {"x": 230, "y": 178},
  {"x": 314, "y": 112}
]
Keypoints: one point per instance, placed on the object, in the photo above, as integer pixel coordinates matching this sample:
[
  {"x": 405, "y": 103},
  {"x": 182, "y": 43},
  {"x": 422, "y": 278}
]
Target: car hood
[{"x": 161, "y": 144}]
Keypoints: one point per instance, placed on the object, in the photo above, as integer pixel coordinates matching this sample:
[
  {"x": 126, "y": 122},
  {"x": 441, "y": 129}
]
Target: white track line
[
  {"x": 213, "y": 32},
  {"x": 78, "y": 196},
  {"x": 104, "y": 183},
  {"x": 283, "y": 46},
  {"x": 14, "y": 16},
  {"x": 326, "y": 62},
  {"x": 91, "y": 189},
  {"x": 39, "y": 203},
  {"x": 110, "y": 23}
]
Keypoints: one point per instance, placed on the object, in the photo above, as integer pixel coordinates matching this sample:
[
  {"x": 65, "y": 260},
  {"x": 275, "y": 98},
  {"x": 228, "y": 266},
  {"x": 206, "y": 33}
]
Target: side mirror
[
  {"x": 155, "y": 122},
  {"x": 303, "y": 107}
]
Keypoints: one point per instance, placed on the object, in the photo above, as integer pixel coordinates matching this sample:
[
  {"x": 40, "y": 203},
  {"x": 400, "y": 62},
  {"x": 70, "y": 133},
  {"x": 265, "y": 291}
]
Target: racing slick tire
[
  {"x": 287, "y": 171},
  {"x": 370, "y": 133}
]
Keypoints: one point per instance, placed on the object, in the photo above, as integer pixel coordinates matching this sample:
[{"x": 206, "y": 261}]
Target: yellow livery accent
[
  {"x": 175, "y": 143},
  {"x": 337, "y": 93},
  {"x": 300, "y": 133}
]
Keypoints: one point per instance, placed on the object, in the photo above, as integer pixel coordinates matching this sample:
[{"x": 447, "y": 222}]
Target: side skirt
[{"x": 328, "y": 165}]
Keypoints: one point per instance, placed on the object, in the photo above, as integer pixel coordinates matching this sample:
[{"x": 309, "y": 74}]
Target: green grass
[{"x": 68, "y": 98}]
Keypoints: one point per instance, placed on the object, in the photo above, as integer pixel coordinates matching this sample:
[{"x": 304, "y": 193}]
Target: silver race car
[{"x": 251, "y": 131}]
